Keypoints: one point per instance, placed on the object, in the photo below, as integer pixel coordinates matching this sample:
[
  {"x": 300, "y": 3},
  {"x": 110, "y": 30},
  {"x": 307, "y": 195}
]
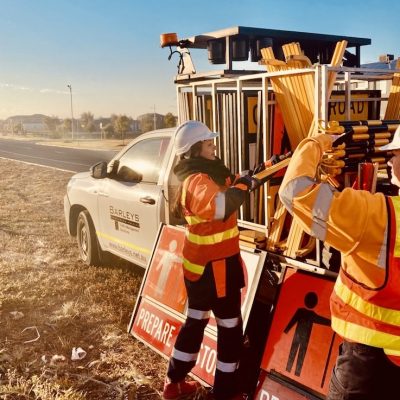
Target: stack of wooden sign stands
[
  {"x": 361, "y": 142},
  {"x": 295, "y": 95},
  {"x": 393, "y": 106}
]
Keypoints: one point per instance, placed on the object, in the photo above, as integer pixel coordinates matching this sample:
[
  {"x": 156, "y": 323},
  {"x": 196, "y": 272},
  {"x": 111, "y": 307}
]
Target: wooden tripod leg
[
  {"x": 276, "y": 229},
  {"x": 305, "y": 92},
  {"x": 284, "y": 96},
  {"x": 295, "y": 241},
  {"x": 308, "y": 248}
]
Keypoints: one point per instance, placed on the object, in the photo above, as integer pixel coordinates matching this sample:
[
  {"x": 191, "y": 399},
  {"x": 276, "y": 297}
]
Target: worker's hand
[
  {"x": 258, "y": 168},
  {"x": 337, "y": 139},
  {"x": 265, "y": 164},
  {"x": 245, "y": 172},
  {"x": 249, "y": 182},
  {"x": 255, "y": 183}
]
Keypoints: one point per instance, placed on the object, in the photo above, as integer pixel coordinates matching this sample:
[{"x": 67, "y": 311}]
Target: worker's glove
[
  {"x": 258, "y": 168},
  {"x": 266, "y": 164},
  {"x": 245, "y": 172},
  {"x": 338, "y": 139},
  {"x": 247, "y": 182},
  {"x": 331, "y": 164}
]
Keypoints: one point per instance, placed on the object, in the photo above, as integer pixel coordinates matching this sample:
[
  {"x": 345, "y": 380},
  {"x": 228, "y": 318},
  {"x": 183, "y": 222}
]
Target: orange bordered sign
[{"x": 301, "y": 348}]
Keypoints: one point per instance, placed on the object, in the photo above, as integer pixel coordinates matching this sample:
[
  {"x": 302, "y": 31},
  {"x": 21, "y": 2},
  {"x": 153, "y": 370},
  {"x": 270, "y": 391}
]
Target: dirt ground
[{"x": 50, "y": 302}]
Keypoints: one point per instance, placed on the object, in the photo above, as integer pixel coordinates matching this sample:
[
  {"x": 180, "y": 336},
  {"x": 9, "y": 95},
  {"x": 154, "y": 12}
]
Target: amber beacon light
[
  {"x": 185, "y": 63},
  {"x": 169, "y": 39}
]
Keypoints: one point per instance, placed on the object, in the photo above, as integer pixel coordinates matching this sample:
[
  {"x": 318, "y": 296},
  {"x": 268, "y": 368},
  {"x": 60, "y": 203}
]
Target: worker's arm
[
  {"x": 209, "y": 201},
  {"x": 342, "y": 219}
]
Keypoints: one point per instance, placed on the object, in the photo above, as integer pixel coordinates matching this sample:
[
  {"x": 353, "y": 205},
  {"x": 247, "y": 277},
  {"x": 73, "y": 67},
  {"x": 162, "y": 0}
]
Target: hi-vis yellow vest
[
  {"x": 206, "y": 240},
  {"x": 372, "y": 316}
]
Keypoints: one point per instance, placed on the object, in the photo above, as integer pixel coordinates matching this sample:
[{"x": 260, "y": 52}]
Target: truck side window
[{"x": 145, "y": 158}]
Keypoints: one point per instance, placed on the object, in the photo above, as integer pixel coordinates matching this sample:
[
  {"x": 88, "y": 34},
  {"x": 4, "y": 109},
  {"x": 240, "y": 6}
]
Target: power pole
[{"x": 72, "y": 113}]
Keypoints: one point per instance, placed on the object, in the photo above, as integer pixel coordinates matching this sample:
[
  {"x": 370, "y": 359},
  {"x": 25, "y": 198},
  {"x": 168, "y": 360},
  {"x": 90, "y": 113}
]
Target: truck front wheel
[{"x": 88, "y": 245}]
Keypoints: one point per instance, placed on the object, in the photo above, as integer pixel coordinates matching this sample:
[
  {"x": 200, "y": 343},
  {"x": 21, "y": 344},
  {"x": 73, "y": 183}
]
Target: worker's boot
[{"x": 179, "y": 390}]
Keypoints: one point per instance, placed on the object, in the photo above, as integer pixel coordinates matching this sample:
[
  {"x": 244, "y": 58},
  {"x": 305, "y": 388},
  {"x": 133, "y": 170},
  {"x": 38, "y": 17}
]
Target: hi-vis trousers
[{"x": 204, "y": 296}]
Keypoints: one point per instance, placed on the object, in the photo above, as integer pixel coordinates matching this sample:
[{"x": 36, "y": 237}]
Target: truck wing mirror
[{"x": 99, "y": 170}]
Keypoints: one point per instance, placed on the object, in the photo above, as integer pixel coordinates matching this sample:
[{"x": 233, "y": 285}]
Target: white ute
[{"x": 117, "y": 206}]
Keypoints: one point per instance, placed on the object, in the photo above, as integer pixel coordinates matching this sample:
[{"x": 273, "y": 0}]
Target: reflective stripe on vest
[
  {"x": 193, "y": 219},
  {"x": 372, "y": 315},
  {"x": 193, "y": 268},
  {"x": 214, "y": 238},
  {"x": 355, "y": 301}
]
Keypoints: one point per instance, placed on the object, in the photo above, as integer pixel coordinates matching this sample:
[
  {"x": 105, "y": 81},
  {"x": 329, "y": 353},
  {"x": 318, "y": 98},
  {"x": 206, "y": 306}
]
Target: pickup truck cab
[{"x": 117, "y": 207}]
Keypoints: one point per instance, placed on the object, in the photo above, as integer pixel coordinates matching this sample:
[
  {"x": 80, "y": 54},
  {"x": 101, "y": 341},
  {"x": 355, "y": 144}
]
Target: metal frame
[{"x": 261, "y": 81}]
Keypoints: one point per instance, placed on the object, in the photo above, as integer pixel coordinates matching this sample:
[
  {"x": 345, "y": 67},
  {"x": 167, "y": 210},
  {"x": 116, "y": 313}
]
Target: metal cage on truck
[{"x": 317, "y": 80}]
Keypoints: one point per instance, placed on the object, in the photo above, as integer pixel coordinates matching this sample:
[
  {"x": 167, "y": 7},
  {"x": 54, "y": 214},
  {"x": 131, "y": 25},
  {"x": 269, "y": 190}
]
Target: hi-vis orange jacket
[
  {"x": 209, "y": 235},
  {"x": 365, "y": 304}
]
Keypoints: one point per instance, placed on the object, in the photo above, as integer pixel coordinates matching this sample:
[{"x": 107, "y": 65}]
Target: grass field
[{"x": 51, "y": 302}]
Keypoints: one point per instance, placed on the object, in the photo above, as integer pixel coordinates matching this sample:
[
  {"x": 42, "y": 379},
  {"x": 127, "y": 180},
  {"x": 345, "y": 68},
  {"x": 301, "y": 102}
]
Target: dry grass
[{"x": 44, "y": 286}]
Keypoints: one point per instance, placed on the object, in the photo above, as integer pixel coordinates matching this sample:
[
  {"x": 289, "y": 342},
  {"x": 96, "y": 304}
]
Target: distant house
[
  {"x": 135, "y": 126},
  {"x": 29, "y": 123},
  {"x": 386, "y": 61},
  {"x": 150, "y": 121},
  {"x": 34, "y": 127}
]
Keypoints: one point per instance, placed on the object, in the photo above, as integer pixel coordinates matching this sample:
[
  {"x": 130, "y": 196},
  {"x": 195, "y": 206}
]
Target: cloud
[
  {"x": 53, "y": 91},
  {"x": 14, "y": 87},
  {"x": 28, "y": 89}
]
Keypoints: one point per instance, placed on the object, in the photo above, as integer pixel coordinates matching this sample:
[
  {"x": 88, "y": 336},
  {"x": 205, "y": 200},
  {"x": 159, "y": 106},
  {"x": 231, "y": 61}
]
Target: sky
[{"x": 109, "y": 50}]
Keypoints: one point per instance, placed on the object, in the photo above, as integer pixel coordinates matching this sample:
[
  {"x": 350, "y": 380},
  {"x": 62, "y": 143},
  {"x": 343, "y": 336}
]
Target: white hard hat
[
  {"x": 189, "y": 133},
  {"x": 395, "y": 143}
]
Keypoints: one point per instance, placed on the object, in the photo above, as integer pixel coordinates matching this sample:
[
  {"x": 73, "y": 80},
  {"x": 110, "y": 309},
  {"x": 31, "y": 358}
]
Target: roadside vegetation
[
  {"x": 86, "y": 126},
  {"x": 50, "y": 302}
]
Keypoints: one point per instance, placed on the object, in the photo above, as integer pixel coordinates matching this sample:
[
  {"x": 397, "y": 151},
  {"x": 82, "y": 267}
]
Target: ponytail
[{"x": 176, "y": 208}]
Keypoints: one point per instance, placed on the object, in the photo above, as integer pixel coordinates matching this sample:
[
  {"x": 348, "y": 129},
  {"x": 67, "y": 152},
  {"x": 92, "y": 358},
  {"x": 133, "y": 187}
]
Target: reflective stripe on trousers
[
  {"x": 187, "y": 347},
  {"x": 230, "y": 337}
]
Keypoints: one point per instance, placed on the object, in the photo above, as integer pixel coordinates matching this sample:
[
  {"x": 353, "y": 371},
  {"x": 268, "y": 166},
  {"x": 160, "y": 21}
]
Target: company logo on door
[{"x": 125, "y": 217}]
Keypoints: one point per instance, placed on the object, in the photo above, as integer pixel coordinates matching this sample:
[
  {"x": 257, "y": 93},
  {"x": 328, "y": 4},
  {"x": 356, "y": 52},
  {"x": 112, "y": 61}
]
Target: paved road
[{"x": 75, "y": 160}]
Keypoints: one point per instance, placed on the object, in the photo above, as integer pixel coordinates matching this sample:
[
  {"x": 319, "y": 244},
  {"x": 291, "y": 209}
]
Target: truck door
[{"x": 131, "y": 200}]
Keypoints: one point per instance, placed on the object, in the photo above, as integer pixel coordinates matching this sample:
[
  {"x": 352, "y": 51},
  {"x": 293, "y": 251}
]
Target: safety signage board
[
  {"x": 270, "y": 389},
  {"x": 159, "y": 328},
  {"x": 301, "y": 345},
  {"x": 165, "y": 270},
  {"x": 365, "y": 105}
]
